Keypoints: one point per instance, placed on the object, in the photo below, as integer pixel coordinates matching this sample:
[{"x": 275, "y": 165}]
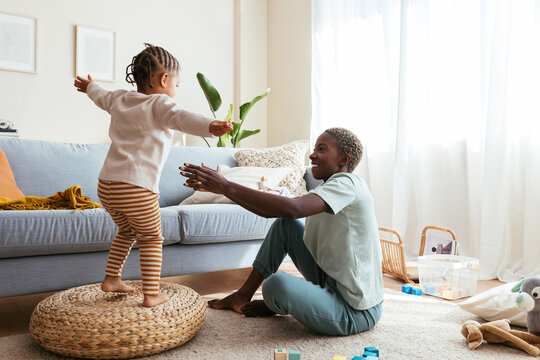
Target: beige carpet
[{"x": 412, "y": 327}]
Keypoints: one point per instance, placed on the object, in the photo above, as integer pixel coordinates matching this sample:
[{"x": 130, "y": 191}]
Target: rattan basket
[
  {"x": 86, "y": 322},
  {"x": 394, "y": 253},
  {"x": 393, "y": 262}
]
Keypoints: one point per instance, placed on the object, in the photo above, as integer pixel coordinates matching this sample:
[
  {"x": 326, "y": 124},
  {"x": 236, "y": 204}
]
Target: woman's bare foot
[
  {"x": 153, "y": 300},
  {"x": 256, "y": 308},
  {"x": 233, "y": 302},
  {"x": 115, "y": 284}
]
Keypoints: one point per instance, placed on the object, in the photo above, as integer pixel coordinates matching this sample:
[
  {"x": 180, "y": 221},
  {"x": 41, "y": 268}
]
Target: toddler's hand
[
  {"x": 219, "y": 128},
  {"x": 81, "y": 83}
]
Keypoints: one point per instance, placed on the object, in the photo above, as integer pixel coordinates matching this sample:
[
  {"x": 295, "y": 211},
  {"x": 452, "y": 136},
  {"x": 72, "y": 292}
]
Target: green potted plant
[{"x": 233, "y": 137}]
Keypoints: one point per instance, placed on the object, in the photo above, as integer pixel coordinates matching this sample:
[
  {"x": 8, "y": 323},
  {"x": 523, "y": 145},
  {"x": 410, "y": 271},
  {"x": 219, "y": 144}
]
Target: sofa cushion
[
  {"x": 288, "y": 155},
  {"x": 214, "y": 223},
  {"x": 8, "y": 187},
  {"x": 45, "y": 232},
  {"x": 244, "y": 175},
  {"x": 41, "y": 168},
  {"x": 172, "y": 190}
]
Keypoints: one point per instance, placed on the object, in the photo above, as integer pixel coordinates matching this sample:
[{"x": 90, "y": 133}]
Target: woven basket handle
[{"x": 432, "y": 227}]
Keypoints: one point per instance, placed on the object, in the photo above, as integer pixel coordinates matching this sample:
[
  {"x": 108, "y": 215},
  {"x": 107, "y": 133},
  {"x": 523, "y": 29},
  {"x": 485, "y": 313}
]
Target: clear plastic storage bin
[{"x": 448, "y": 276}]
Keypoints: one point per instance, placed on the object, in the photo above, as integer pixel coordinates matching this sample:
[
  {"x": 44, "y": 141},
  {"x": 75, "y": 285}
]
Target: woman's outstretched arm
[{"x": 261, "y": 203}]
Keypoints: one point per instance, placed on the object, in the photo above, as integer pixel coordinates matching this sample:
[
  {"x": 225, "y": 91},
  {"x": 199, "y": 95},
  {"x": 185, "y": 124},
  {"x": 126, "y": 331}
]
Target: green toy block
[{"x": 294, "y": 354}]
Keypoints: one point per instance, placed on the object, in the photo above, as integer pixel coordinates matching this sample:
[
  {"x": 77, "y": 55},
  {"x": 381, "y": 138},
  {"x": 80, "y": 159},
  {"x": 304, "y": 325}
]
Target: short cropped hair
[{"x": 348, "y": 144}]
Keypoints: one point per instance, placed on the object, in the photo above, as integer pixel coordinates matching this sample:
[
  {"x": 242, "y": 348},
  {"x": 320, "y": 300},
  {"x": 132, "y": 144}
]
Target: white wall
[
  {"x": 270, "y": 48},
  {"x": 289, "y": 70},
  {"x": 46, "y": 106}
]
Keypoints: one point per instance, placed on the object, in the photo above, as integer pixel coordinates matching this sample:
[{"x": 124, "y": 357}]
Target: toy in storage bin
[{"x": 448, "y": 276}]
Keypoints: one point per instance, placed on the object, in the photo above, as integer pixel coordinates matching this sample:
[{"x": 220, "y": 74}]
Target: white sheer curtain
[{"x": 445, "y": 96}]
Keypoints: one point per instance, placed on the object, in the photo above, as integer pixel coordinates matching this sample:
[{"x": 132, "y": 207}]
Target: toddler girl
[{"x": 141, "y": 135}]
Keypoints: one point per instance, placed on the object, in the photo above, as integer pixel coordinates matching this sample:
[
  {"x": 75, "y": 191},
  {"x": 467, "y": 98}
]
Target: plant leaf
[
  {"x": 244, "y": 109},
  {"x": 236, "y": 127},
  {"x": 229, "y": 114},
  {"x": 212, "y": 95},
  {"x": 242, "y": 134},
  {"x": 223, "y": 140}
]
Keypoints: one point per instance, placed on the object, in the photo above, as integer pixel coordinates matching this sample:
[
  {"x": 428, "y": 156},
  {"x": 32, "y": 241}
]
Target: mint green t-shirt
[{"x": 345, "y": 240}]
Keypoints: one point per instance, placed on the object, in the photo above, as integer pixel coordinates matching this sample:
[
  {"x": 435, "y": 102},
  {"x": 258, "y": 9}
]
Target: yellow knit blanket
[{"x": 71, "y": 198}]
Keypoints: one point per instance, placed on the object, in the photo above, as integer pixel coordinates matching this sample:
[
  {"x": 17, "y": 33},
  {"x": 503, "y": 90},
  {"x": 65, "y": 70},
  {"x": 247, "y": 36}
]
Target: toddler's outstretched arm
[{"x": 81, "y": 83}]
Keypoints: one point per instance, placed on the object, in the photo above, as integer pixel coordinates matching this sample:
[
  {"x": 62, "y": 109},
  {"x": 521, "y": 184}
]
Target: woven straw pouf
[{"x": 86, "y": 322}]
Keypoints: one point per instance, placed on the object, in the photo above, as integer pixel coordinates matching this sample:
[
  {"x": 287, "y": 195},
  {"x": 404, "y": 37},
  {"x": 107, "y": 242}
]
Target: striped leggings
[{"x": 135, "y": 211}]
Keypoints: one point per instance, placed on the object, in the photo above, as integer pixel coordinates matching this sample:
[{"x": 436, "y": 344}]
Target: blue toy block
[
  {"x": 406, "y": 288},
  {"x": 372, "y": 349},
  {"x": 358, "y": 358},
  {"x": 417, "y": 292},
  {"x": 429, "y": 289},
  {"x": 370, "y": 358},
  {"x": 294, "y": 354},
  {"x": 369, "y": 353}
]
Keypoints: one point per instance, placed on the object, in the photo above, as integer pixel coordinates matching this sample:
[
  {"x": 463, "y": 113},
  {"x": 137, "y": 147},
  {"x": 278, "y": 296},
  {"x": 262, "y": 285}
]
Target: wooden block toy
[
  {"x": 416, "y": 291},
  {"x": 358, "y": 358},
  {"x": 372, "y": 349},
  {"x": 369, "y": 353},
  {"x": 280, "y": 354},
  {"x": 371, "y": 358},
  {"x": 448, "y": 294},
  {"x": 294, "y": 354},
  {"x": 406, "y": 288},
  {"x": 443, "y": 288},
  {"x": 339, "y": 357},
  {"x": 429, "y": 289}
]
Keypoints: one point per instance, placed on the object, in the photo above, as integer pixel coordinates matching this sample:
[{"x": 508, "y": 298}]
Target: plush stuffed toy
[
  {"x": 528, "y": 301},
  {"x": 499, "y": 331}
]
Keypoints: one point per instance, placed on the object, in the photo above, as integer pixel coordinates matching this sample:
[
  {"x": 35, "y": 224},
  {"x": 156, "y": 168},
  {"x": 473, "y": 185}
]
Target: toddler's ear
[{"x": 164, "y": 78}]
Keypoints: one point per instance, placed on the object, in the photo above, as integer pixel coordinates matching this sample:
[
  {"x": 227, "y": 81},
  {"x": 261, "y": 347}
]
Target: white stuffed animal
[{"x": 528, "y": 301}]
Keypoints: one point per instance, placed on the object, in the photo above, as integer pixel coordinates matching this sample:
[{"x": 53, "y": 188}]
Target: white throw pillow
[
  {"x": 496, "y": 304},
  {"x": 288, "y": 155},
  {"x": 247, "y": 176}
]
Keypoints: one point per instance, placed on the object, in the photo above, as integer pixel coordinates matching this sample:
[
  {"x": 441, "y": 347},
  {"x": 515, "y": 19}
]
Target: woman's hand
[
  {"x": 81, "y": 83},
  {"x": 219, "y": 128},
  {"x": 202, "y": 178}
]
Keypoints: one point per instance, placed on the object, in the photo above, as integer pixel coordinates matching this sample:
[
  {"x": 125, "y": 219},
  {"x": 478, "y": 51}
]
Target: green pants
[{"x": 316, "y": 303}]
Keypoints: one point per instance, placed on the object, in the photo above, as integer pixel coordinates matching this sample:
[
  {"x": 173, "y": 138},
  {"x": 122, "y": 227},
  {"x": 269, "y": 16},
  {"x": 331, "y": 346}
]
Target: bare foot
[
  {"x": 233, "y": 302},
  {"x": 153, "y": 300},
  {"x": 115, "y": 284},
  {"x": 256, "y": 308}
]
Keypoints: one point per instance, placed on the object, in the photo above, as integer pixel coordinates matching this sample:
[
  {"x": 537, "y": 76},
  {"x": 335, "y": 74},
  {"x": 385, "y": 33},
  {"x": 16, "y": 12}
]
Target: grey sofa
[{"x": 46, "y": 250}]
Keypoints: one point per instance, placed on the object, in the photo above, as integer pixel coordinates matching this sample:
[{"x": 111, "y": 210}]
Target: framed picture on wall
[
  {"x": 18, "y": 43},
  {"x": 95, "y": 53}
]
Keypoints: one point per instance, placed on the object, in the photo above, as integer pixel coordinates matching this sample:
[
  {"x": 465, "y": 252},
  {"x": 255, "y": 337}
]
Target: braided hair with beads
[{"x": 151, "y": 60}]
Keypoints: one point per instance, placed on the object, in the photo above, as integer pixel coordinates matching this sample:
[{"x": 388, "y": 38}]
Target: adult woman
[{"x": 337, "y": 251}]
